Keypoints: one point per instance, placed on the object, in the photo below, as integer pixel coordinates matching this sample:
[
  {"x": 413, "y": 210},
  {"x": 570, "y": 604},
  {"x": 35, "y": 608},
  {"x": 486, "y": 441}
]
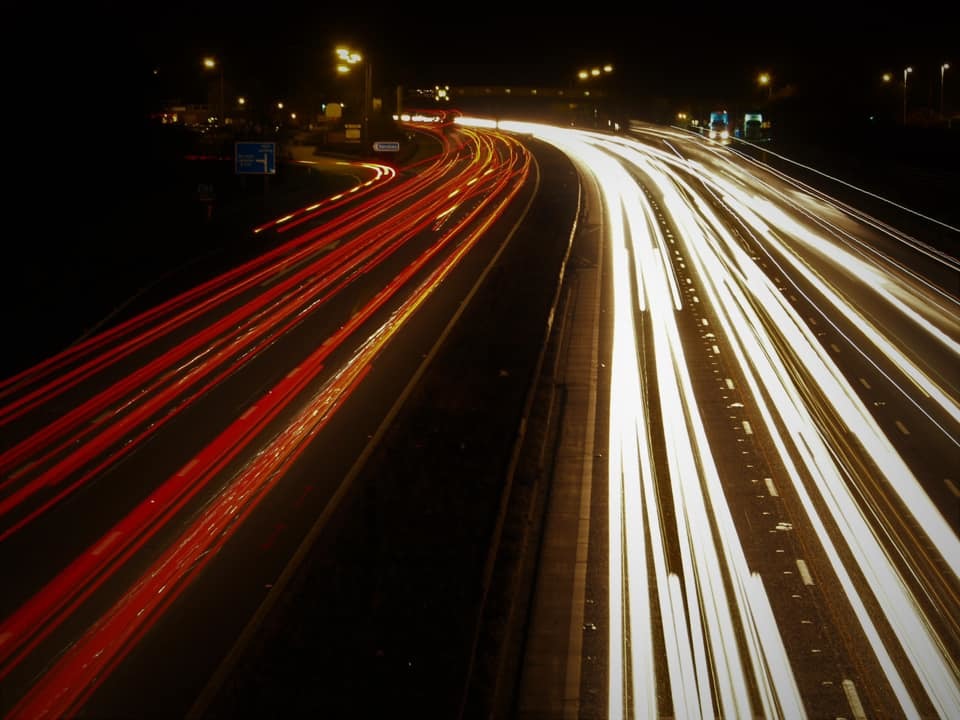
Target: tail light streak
[{"x": 84, "y": 665}]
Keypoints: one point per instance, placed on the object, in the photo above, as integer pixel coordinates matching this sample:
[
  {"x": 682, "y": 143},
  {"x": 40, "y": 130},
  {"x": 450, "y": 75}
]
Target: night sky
[
  {"x": 80, "y": 76},
  {"x": 685, "y": 49}
]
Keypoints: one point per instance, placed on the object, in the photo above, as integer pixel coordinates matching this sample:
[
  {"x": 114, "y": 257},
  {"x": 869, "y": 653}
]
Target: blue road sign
[
  {"x": 386, "y": 146},
  {"x": 256, "y": 158}
]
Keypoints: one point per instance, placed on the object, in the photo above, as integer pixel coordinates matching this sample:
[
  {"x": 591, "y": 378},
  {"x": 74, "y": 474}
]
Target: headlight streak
[
  {"x": 897, "y": 357},
  {"x": 859, "y": 269},
  {"x": 842, "y": 209},
  {"x": 687, "y": 642},
  {"x": 741, "y": 294},
  {"x": 937, "y": 671},
  {"x": 767, "y": 654}
]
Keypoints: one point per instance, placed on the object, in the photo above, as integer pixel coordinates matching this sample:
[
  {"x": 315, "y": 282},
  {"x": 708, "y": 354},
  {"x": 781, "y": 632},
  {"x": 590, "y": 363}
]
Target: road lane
[
  {"x": 737, "y": 386},
  {"x": 299, "y": 332}
]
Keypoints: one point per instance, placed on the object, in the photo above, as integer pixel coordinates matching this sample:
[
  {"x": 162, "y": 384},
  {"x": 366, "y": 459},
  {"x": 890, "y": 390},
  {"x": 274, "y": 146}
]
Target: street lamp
[
  {"x": 765, "y": 80},
  {"x": 347, "y": 58},
  {"x": 210, "y": 64},
  {"x": 943, "y": 69},
  {"x": 906, "y": 71},
  {"x": 594, "y": 72}
]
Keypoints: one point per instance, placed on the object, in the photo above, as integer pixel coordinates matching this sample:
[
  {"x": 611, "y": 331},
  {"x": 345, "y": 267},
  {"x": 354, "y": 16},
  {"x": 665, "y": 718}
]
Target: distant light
[
  {"x": 608, "y": 68},
  {"x": 945, "y": 66},
  {"x": 242, "y": 100},
  {"x": 583, "y": 74},
  {"x": 156, "y": 72},
  {"x": 209, "y": 62},
  {"x": 764, "y": 78},
  {"x": 342, "y": 69},
  {"x": 348, "y": 55},
  {"x": 280, "y": 106},
  {"x": 595, "y": 72},
  {"x": 887, "y": 77},
  {"x": 293, "y": 116}
]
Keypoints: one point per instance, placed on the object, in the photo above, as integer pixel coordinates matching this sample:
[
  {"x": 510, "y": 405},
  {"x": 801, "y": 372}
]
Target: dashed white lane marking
[
  {"x": 804, "y": 572},
  {"x": 865, "y": 383},
  {"x": 729, "y": 383},
  {"x": 771, "y": 488},
  {"x": 856, "y": 707},
  {"x": 902, "y": 428},
  {"x": 952, "y": 487},
  {"x": 746, "y": 427}
]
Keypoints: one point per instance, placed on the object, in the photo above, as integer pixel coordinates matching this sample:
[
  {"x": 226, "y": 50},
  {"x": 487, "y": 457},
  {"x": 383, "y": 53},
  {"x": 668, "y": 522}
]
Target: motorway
[
  {"x": 769, "y": 526},
  {"x": 156, "y": 478},
  {"x": 747, "y": 459}
]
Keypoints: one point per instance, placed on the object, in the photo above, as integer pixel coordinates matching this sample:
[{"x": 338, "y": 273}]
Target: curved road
[
  {"x": 156, "y": 478},
  {"x": 776, "y": 512}
]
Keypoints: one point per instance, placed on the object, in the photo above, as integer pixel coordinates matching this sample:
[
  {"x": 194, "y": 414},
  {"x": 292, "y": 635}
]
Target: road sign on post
[
  {"x": 352, "y": 131},
  {"x": 255, "y": 158},
  {"x": 386, "y": 146}
]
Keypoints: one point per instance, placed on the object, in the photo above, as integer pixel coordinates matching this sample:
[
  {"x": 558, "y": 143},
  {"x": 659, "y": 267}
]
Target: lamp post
[
  {"x": 210, "y": 64},
  {"x": 765, "y": 80},
  {"x": 348, "y": 58},
  {"x": 943, "y": 68},
  {"x": 594, "y": 72},
  {"x": 906, "y": 71}
]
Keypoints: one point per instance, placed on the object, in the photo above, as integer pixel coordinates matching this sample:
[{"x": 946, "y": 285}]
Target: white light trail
[{"x": 724, "y": 652}]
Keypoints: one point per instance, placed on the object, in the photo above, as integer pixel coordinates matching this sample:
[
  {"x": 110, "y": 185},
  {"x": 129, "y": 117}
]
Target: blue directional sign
[{"x": 256, "y": 158}]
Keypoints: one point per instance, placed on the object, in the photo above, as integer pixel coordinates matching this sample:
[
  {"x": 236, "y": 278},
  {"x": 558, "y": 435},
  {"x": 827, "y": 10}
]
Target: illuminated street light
[
  {"x": 943, "y": 69},
  {"x": 241, "y": 100},
  {"x": 765, "y": 80},
  {"x": 210, "y": 64},
  {"x": 348, "y": 58},
  {"x": 906, "y": 71},
  {"x": 887, "y": 77},
  {"x": 279, "y": 106},
  {"x": 595, "y": 72},
  {"x": 589, "y": 75}
]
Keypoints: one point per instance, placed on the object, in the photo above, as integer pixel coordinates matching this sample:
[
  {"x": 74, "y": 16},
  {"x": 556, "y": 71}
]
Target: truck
[
  {"x": 719, "y": 126},
  {"x": 752, "y": 126}
]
